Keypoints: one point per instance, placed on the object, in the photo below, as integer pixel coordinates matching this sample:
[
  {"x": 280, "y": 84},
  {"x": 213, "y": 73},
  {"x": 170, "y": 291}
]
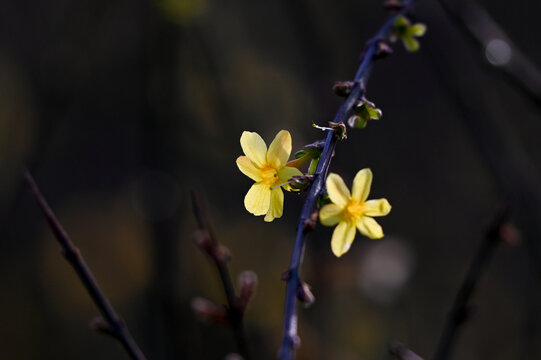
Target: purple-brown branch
[
  {"x": 306, "y": 222},
  {"x": 460, "y": 311},
  {"x": 111, "y": 323},
  {"x": 220, "y": 255}
]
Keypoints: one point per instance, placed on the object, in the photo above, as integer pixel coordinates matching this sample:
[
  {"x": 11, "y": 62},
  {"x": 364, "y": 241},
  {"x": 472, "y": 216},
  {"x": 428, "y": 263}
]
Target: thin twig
[
  {"x": 460, "y": 310},
  {"x": 111, "y": 324},
  {"x": 485, "y": 31},
  {"x": 306, "y": 223},
  {"x": 234, "y": 312},
  {"x": 401, "y": 352}
]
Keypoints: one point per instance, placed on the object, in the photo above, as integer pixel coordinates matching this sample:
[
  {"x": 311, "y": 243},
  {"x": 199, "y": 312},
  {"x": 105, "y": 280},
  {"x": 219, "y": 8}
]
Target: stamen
[
  {"x": 322, "y": 128},
  {"x": 286, "y": 183}
]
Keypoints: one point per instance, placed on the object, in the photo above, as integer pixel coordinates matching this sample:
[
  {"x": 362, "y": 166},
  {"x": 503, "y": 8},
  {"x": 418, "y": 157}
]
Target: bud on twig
[
  {"x": 305, "y": 295},
  {"x": 343, "y": 88},
  {"x": 509, "y": 234},
  {"x": 383, "y": 50},
  {"x": 203, "y": 241},
  {"x": 233, "y": 356},
  {"x": 247, "y": 283},
  {"x": 217, "y": 252},
  {"x": 286, "y": 275},
  {"x": 393, "y": 5},
  {"x": 339, "y": 130},
  {"x": 99, "y": 324},
  {"x": 400, "y": 352},
  {"x": 206, "y": 310},
  {"x": 310, "y": 223}
]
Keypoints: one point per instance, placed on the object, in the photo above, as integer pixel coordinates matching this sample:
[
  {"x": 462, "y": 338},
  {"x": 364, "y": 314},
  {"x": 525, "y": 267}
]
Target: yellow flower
[
  {"x": 352, "y": 211},
  {"x": 269, "y": 171}
]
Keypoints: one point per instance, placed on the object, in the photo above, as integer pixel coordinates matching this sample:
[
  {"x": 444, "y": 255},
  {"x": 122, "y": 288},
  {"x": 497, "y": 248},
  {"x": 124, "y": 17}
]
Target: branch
[
  {"x": 307, "y": 219},
  {"x": 400, "y": 352},
  {"x": 503, "y": 53},
  {"x": 220, "y": 256},
  {"x": 460, "y": 310},
  {"x": 111, "y": 323}
]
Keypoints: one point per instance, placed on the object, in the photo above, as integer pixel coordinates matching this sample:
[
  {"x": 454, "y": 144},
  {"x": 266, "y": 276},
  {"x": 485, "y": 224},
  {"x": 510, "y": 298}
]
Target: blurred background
[{"x": 120, "y": 107}]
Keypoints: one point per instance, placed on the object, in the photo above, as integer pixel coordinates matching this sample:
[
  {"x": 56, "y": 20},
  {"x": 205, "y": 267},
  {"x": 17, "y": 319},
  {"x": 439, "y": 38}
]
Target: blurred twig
[
  {"x": 295, "y": 287},
  {"x": 206, "y": 240},
  {"x": 460, "y": 311},
  {"x": 111, "y": 323},
  {"x": 400, "y": 352},
  {"x": 484, "y": 30}
]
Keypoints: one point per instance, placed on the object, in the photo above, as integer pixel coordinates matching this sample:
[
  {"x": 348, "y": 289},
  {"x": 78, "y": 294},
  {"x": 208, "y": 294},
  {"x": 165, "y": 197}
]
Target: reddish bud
[
  {"x": 99, "y": 324},
  {"x": 305, "y": 295},
  {"x": 509, "y": 234},
  {"x": 343, "y": 88},
  {"x": 247, "y": 283},
  {"x": 207, "y": 310},
  {"x": 393, "y": 5},
  {"x": 383, "y": 50}
]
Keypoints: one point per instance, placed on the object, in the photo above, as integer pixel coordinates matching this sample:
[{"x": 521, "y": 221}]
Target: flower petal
[
  {"x": 337, "y": 190},
  {"x": 370, "y": 228},
  {"x": 330, "y": 215},
  {"x": 379, "y": 207},
  {"x": 254, "y": 147},
  {"x": 276, "y": 207},
  {"x": 257, "y": 200},
  {"x": 248, "y": 168},
  {"x": 279, "y": 149},
  {"x": 286, "y": 173},
  {"x": 362, "y": 184},
  {"x": 342, "y": 238}
]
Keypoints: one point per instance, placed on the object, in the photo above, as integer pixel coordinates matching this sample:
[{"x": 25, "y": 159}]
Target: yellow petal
[
  {"x": 279, "y": 150},
  {"x": 379, "y": 207},
  {"x": 276, "y": 207},
  {"x": 286, "y": 173},
  {"x": 362, "y": 184},
  {"x": 254, "y": 147},
  {"x": 342, "y": 237},
  {"x": 248, "y": 168},
  {"x": 337, "y": 190},
  {"x": 257, "y": 200},
  {"x": 370, "y": 228},
  {"x": 330, "y": 215}
]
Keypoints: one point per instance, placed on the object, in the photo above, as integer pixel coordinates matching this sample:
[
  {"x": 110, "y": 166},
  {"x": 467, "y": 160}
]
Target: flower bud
[
  {"x": 247, "y": 283},
  {"x": 207, "y": 310},
  {"x": 304, "y": 294},
  {"x": 343, "y": 88}
]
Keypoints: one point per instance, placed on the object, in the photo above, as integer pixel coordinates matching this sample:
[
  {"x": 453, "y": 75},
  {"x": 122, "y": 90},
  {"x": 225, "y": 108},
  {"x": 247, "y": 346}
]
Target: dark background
[{"x": 120, "y": 107}]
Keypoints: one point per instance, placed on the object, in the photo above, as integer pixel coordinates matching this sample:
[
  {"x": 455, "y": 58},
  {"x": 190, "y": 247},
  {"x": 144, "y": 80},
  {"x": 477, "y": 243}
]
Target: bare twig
[
  {"x": 460, "y": 311},
  {"x": 209, "y": 243},
  {"x": 111, "y": 323},
  {"x": 400, "y": 352},
  {"x": 501, "y": 51},
  {"x": 290, "y": 338}
]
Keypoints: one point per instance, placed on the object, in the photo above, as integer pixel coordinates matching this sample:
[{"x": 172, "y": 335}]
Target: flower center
[
  {"x": 269, "y": 175},
  {"x": 354, "y": 211}
]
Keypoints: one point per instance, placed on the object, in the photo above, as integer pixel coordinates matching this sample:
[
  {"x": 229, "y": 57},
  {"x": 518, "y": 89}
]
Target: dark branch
[
  {"x": 111, "y": 323},
  {"x": 461, "y": 311},
  {"x": 290, "y": 338},
  {"x": 236, "y": 305},
  {"x": 480, "y": 27}
]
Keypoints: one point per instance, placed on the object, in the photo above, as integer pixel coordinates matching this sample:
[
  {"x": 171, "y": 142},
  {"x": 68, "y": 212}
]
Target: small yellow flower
[
  {"x": 268, "y": 169},
  {"x": 352, "y": 211}
]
